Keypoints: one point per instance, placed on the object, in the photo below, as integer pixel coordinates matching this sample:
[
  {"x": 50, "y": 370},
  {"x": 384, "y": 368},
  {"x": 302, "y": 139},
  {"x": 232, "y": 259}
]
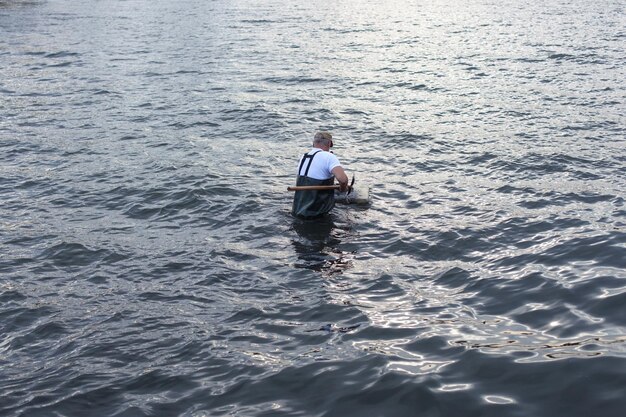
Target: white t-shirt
[{"x": 322, "y": 165}]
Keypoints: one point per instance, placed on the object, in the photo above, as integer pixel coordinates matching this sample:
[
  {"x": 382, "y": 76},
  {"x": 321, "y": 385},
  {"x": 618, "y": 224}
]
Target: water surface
[{"x": 149, "y": 264}]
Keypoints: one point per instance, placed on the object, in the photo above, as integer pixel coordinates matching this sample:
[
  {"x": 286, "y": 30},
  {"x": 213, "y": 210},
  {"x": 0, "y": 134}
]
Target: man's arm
[{"x": 341, "y": 176}]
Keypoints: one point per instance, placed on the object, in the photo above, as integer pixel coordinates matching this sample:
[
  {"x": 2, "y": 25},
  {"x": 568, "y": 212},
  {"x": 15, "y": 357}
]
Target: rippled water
[{"x": 149, "y": 264}]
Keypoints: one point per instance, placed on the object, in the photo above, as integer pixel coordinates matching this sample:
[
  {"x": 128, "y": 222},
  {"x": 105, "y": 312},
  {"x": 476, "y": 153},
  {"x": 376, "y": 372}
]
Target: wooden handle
[{"x": 313, "y": 187}]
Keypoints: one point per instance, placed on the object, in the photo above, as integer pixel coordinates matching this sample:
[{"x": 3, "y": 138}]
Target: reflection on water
[{"x": 317, "y": 245}]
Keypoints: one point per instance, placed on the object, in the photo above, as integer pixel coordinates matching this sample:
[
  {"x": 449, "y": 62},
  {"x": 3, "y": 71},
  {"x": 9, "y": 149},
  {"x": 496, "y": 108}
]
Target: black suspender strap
[{"x": 304, "y": 158}]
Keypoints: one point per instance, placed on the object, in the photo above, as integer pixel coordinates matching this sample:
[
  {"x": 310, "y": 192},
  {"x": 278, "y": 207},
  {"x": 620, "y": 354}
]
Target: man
[{"x": 319, "y": 166}]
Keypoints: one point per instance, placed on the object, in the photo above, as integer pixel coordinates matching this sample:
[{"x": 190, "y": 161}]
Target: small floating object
[
  {"x": 360, "y": 194},
  {"x": 332, "y": 329}
]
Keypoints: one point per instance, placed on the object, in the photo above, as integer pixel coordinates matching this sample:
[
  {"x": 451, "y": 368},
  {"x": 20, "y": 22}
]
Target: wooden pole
[{"x": 313, "y": 187}]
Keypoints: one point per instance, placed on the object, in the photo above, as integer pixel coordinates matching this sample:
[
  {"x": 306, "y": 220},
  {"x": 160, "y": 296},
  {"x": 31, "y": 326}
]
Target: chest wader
[{"x": 309, "y": 204}]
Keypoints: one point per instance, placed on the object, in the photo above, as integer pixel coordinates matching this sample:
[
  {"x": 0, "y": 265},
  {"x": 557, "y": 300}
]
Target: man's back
[{"x": 319, "y": 166}]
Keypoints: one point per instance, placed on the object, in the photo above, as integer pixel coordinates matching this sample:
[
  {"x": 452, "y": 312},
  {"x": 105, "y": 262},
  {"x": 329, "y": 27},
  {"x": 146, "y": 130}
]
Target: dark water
[{"x": 148, "y": 262}]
